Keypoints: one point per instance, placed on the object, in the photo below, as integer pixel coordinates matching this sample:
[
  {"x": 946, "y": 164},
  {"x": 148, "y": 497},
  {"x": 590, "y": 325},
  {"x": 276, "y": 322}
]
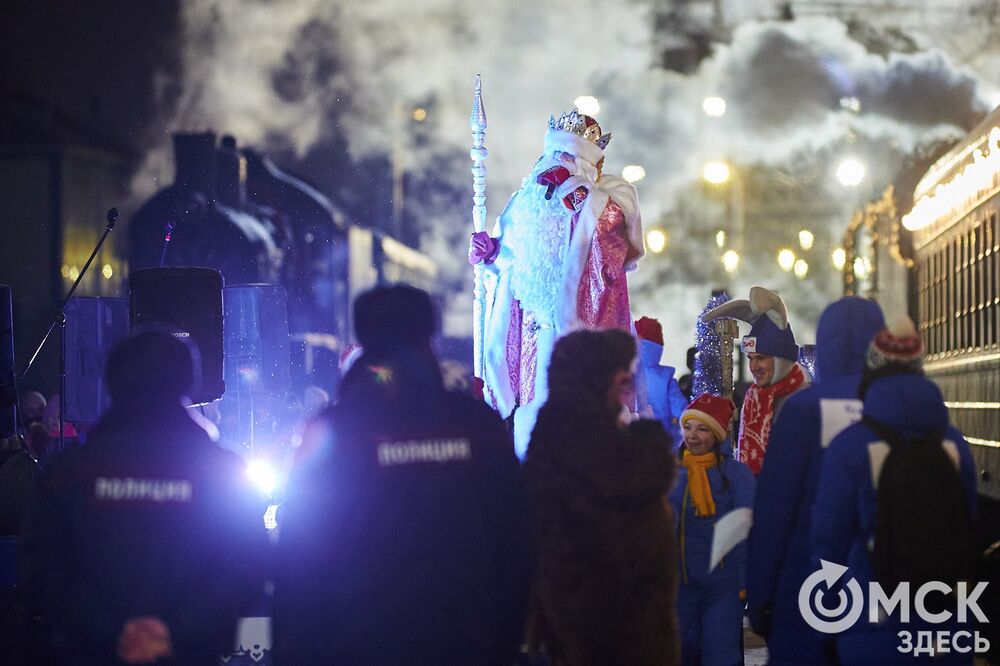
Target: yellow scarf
[{"x": 698, "y": 487}]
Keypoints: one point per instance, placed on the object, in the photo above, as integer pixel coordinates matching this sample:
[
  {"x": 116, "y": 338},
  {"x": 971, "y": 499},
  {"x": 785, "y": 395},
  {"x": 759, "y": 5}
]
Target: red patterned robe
[
  {"x": 604, "y": 241},
  {"x": 602, "y": 301}
]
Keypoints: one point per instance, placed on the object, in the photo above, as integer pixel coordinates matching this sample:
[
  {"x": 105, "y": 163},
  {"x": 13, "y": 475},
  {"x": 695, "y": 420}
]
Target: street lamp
[
  {"x": 656, "y": 240},
  {"x": 850, "y": 172},
  {"x": 587, "y": 105},
  {"x": 716, "y": 172},
  {"x": 786, "y": 259},
  {"x": 801, "y": 268},
  {"x": 806, "y": 239},
  {"x": 714, "y": 106},
  {"x": 839, "y": 257},
  {"x": 633, "y": 173},
  {"x": 730, "y": 261}
]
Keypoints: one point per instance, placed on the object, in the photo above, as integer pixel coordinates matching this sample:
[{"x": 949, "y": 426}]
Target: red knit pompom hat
[
  {"x": 715, "y": 412},
  {"x": 898, "y": 345}
]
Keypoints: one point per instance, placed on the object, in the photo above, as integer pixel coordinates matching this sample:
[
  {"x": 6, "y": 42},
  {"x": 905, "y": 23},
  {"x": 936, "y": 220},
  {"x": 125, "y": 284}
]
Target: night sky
[
  {"x": 91, "y": 64},
  {"x": 327, "y": 89}
]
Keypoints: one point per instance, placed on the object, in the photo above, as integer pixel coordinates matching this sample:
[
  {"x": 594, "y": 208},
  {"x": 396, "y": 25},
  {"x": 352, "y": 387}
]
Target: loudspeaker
[
  {"x": 188, "y": 299},
  {"x": 256, "y": 327},
  {"x": 8, "y": 394},
  {"x": 93, "y": 326}
]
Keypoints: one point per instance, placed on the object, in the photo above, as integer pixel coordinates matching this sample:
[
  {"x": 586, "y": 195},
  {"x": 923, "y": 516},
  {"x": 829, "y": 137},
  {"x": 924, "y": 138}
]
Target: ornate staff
[
  {"x": 713, "y": 365},
  {"x": 477, "y": 122},
  {"x": 727, "y": 330}
]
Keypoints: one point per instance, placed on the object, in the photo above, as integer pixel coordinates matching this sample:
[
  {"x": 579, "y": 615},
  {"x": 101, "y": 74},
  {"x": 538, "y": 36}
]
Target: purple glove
[{"x": 483, "y": 248}]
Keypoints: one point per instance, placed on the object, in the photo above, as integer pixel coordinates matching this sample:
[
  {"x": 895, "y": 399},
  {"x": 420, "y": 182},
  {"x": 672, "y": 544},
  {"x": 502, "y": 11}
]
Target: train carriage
[{"x": 939, "y": 259}]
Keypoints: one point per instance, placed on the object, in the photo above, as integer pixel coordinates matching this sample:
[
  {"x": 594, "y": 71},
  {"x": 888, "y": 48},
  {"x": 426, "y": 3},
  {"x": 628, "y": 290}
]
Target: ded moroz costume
[{"x": 556, "y": 263}]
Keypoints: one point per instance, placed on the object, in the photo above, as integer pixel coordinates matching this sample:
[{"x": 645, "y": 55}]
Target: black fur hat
[{"x": 388, "y": 317}]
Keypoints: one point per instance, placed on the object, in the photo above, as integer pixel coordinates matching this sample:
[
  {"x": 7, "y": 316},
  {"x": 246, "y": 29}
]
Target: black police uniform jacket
[
  {"x": 405, "y": 536},
  {"x": 148, "y": 518}
]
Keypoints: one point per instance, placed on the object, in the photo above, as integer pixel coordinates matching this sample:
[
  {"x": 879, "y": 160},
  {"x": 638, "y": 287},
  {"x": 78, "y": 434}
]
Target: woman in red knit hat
[{"x": 709, "y": 486}]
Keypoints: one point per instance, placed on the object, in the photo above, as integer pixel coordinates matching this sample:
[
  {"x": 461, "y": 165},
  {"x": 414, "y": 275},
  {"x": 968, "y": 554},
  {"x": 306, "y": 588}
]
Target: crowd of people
[{"x": 412, "y": 534}]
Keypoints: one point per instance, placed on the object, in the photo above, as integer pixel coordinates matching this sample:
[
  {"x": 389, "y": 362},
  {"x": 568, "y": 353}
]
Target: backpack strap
[
  {"x": 891, "y": 436},
  {"x": 868, "y": 377}
]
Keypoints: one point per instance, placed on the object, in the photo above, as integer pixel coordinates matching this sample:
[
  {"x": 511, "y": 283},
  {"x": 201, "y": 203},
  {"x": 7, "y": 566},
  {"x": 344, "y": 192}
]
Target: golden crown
[{"x": 585, "y": 126}]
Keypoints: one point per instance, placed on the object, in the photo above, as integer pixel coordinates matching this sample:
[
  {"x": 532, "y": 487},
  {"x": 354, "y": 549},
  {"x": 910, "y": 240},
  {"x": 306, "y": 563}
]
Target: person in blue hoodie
[
  {"x": 778, "y": 559},
  {"x": 709, "y": 486},
  {"x": 662, "y": 390},
  {"x": 897, "y": 395}
]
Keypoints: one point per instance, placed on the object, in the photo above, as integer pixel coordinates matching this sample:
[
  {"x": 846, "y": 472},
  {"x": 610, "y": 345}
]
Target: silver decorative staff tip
[{"x": 477, "y": 121}]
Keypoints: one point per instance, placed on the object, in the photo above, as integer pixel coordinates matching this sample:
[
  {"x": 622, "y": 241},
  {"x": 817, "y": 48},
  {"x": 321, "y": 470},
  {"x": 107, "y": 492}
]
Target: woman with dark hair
[
  {"x": 709, "y": 486},
  {"x": 606, "y": 574}
]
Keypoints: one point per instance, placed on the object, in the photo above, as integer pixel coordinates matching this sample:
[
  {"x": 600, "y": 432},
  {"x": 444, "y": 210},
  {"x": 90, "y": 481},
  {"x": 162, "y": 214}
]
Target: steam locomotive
[
  {"x": 292, "y": 264},
  {"x": 236, "y": 211}
]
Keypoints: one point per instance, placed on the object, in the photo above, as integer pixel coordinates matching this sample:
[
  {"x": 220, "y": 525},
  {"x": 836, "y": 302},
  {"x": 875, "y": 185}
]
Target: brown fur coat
[{"x": 606, "y": 581}]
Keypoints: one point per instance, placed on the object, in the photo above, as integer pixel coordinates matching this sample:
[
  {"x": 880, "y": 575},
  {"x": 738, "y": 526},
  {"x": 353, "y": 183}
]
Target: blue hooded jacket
[
  {"x": 778, "y": 549},
  {"x": 663, "y": 392},
  {"x": 843, "y": 521}
]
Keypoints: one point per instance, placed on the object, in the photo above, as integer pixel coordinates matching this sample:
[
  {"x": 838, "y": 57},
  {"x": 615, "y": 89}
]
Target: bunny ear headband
[{"x": 762, "y": 302}]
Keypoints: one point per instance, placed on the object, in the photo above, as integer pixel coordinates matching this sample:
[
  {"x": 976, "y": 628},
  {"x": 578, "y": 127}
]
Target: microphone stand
[
  {"x": 60, "y": 319},
  {"x": 168, "y": 234}
]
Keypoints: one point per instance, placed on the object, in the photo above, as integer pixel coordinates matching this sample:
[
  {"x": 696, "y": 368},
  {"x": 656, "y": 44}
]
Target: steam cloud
[{"x": 290, "y": 76}]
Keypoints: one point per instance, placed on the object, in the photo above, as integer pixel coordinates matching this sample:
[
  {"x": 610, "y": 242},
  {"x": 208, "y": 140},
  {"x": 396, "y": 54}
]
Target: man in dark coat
[
  {"x": 147, "y": 543},
  {"x": 404, "y": 535}
]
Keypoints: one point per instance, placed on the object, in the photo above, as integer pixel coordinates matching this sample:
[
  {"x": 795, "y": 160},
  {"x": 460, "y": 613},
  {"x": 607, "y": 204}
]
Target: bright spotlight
[
  {"x": 656, "y": 241},
  {"x": 716, "y": 172},
  {"x": 714, "y": 106},
  {"x": 806, "y": 239},
  {"x": 786, "y": 259},
  {"x": 720, "y": 239},
  {"x": 420, "y": 114},
  {"x": 801, "y": 268},
  {"x": 262, "y": 475},
  {"x": 587, "y": 105},
  {"x": 839, "y": 257},
  {"x": 850, "y": 172},
  {"x": 633, "y": 173},
  {"x": 730, "y": 261}
]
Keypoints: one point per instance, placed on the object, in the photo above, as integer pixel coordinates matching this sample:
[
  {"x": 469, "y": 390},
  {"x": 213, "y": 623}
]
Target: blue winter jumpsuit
[
  {"x": 843, "y": 519},
  {"x": 709, "y": 608},
  {"x": 778, "y": 547}
]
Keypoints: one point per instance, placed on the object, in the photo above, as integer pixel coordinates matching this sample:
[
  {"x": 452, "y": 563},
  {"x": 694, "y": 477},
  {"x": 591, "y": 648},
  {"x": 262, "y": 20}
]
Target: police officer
[
  {"x": 404, "y": 530},
  {"x": 146, "y": 544}
]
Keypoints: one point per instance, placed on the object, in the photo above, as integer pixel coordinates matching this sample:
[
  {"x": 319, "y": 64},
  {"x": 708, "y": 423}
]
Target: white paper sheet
[{"x": 730, "y": 530}]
